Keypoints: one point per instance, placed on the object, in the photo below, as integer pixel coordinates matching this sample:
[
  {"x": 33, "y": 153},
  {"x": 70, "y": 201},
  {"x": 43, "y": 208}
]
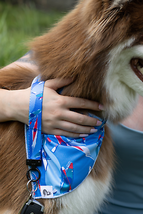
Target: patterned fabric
[{"x": 66, "y": 162}]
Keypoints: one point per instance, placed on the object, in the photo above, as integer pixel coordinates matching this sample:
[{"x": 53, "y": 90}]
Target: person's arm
[
  {"x": 18, "y": 100},
  {"x": 56, "y": 118}
]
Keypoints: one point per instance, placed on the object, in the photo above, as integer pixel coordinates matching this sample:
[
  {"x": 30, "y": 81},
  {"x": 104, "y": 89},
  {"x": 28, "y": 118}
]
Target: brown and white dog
[{"x": 100, "y": 45}]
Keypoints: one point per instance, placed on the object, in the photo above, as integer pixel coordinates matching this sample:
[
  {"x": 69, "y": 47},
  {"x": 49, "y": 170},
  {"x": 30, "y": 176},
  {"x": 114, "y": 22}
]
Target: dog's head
[
  {"x": 117, "y": 31},
  {"x": 124, "y": 74},
  {"x": 100, "y": 44}
]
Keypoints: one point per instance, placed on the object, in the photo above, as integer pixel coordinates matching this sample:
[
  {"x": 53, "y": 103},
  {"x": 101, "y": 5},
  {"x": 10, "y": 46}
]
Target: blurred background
[{"x": 21, "y": 20}]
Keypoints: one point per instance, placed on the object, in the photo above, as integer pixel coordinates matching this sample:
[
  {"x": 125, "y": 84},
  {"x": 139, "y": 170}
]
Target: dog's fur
[{"x": 93, "y": 44}]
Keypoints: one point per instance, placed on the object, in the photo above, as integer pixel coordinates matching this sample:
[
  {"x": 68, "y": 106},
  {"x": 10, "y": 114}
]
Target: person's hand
[{"x": 58, "y": 119}]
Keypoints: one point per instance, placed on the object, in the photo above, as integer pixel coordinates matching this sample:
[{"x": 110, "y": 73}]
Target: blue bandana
[{"x": 66, "y": 161}]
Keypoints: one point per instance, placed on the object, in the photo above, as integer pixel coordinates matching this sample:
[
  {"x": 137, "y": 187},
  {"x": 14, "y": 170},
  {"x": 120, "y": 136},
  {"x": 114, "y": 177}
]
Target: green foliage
[{"x": 18, "y": 25}]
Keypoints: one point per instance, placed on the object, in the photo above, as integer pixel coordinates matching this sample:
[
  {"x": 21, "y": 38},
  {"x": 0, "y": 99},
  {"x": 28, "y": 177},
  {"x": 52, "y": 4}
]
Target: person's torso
[{"x": 126, "y": 196}]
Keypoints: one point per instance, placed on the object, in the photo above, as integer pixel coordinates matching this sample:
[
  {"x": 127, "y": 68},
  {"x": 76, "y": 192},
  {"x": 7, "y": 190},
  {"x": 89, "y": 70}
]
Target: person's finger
[
  {"x": 75, "y": 128},
  {"x": 78, "y": 118},
  {"x": 57, "y": 83},
  {"x": 74, "y": 102},
  {"x": 66, "y": 133}
]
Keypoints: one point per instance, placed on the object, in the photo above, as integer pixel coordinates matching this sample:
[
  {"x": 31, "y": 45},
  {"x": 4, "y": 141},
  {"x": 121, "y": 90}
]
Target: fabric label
[{"x": 46, "y": 191}]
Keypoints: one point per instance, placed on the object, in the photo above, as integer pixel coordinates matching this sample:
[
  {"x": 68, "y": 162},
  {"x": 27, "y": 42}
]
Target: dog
[{"x": 100, "y": 45}]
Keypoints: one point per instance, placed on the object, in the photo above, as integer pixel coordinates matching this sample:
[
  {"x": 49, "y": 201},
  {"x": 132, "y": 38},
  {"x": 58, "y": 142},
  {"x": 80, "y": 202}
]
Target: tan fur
[{"x": 76, "y": 47}]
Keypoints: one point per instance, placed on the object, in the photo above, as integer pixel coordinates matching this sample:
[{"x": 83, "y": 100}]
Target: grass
[{"x": 19, "y": 25}]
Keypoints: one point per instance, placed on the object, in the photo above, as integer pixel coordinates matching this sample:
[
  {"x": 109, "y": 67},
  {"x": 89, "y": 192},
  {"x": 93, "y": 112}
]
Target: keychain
[{"x": 32, "y": 206}]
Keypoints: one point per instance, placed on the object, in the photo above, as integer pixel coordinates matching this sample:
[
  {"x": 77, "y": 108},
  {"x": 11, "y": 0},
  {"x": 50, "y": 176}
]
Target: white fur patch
[
  {"x": 87, "y": 198},
  {"x": 121, "y": 82},
  {"x": 119, "y": 2}
]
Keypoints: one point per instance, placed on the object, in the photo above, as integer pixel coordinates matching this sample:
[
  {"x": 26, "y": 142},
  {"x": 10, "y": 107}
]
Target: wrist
[
  {"x": 5, "y": 114},
  {"x": 18, "y": 105}
]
